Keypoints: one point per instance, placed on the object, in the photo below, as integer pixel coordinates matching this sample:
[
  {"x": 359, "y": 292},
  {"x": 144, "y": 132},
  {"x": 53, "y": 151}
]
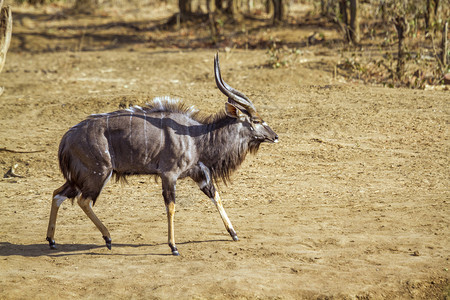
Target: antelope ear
[{"x": 232, "y": 111}]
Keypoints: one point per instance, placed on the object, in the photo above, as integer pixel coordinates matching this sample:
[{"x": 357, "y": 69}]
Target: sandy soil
[{"x": 352, "y": 203}]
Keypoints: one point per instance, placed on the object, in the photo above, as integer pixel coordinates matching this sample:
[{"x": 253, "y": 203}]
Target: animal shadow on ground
[{"x": 36, "y": 250}]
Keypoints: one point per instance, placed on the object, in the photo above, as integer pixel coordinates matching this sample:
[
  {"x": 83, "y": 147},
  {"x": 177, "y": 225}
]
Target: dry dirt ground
[{"x": 353, "y": 203}]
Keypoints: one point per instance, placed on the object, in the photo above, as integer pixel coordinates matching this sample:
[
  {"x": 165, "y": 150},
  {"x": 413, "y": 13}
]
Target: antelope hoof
[
  {"x": 174, "y": 250},
  {"x": 233, "y": 235},
  {"x": 108, "y": 242},
  {"x": 51, "y": 243}
]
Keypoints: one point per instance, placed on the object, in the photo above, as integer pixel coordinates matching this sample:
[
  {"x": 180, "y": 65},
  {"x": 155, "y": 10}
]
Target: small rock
[{"x": 416, "y": 253}]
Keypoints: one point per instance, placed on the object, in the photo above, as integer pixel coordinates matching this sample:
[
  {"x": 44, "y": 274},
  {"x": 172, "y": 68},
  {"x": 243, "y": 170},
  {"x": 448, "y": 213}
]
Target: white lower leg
[
  {"x": 226, "y": 221},
  {"x": 170, "y": 208},
  {"x": 56, "y": 203}
]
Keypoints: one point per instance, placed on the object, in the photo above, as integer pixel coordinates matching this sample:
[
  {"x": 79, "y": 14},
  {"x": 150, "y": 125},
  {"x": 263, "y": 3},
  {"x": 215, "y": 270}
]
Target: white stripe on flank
[
  {"x": 145, "y": 137},
  {"x": 111, "y": 153},
  {"x": 131, "y": 131}
]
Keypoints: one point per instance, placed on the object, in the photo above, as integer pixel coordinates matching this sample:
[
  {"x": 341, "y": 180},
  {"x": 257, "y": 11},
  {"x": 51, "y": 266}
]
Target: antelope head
[{"x": 240, "y": 107}]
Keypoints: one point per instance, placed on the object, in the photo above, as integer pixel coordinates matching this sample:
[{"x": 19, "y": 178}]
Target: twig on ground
[{"x": 4, "y": 149}]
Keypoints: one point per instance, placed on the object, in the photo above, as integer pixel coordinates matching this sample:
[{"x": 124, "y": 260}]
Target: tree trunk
[
  {"x": 211, "y": 6},
  {"x": 185, "y": 10},
  {"x": 5, "y": 32},
  {"x": 444, "y": 46},
  {"x": 354, "y": 21},
  {"x": 324, "y": 8},
  {"x": 279, "y": 11},
  {"x": 436, "y": 7},
  {"x": 343, "y": 11},
  {"x": 343, "y": 16},
  {"x": 401, "y": 27},
  {"x": 219, "y": 4},
  {"x": 429, "y": 14},
  {"x": 233, "y": 6},
  {"x": 250, "y": 5},
  {"x": 269, "y": 7},
  {"x": 184, "y": 6},
  {"x": 213, "y": 28},
  {"x": 384, "y": 13},
  {"x": 35, "y": 2}
]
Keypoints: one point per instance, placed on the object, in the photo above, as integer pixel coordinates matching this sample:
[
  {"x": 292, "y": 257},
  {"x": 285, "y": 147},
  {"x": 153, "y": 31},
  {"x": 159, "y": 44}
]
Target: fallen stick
[{"x": 4, "y": 149}]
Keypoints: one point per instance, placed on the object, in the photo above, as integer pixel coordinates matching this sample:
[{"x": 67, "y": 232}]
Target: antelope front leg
[{"x": 169, "y": 201}]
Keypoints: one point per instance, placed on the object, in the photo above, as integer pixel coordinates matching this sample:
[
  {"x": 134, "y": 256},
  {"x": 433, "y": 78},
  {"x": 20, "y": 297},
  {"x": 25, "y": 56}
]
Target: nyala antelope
[{"x": 166, "y": 139}]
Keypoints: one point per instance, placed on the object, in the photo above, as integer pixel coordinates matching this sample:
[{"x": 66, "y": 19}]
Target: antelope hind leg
[
  {"x": 226, "y": 221},
  {"x": 86, "y": 206},
  {"x": 206, "y": 185},
  {"x": 59, "y": 195},
  {"x": 56, "y": 202}
]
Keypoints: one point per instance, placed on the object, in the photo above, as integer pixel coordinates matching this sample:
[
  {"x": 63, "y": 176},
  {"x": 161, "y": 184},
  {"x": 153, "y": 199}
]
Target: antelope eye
[{"x": 256, "y": 121}]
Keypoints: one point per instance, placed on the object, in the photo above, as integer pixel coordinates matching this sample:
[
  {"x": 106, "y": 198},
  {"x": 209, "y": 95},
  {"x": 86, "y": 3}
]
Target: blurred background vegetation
[{"x": 389, "y": 42}]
